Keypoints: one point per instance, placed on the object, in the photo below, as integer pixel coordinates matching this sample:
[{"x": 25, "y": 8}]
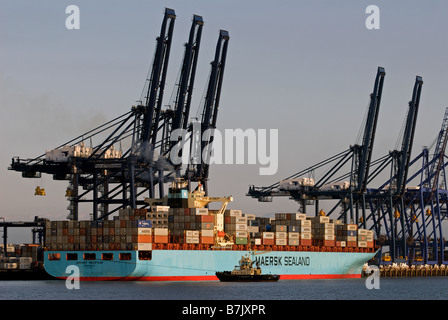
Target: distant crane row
[{"x": 406, "y": 217}]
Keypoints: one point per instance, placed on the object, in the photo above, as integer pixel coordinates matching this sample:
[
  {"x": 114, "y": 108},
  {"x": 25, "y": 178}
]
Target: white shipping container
[
  {"x": 305, "y": 223},
  {"x": 268, "y": 235},
  {"x": 144, "y": 246},
  {"x": 322, "y": 219},
  {"x": 281, "y": 242},
  {"x": 207, "y": 233},
  {"x": 362, "y": 244},
  {"x": 352, "y": 238},
  {"x": 253, "y": 229},
  {"x": 241, "y": 227},
  {"x": 351, "y": 227},
  {"x": 160, "y": 209},
  {"x": 329, "y": 237},
  {"x": 25, "y": 266},
  {"x": 281, "y": 235},
  {"x": 25, "y": 259},
  {"x": 234, "y": 213},
  {"x": 192, "y": 240},
  {"x": 199, "y": 211},
  {"x": 144, "y": 231},
  {"x": 241, "y": 220},
  {"x": 160, "y": 231},
  {"x": 294, "y": 235},
  {"x": 300, "y": 216},
  {"x": 258, "y": 241},
  {"x": 305, "y": 236},
  {"x": 305, "y": 230},
  {"x": 241, "y": 234},
  {"x": 250, "y": 216},
  {"x": 365, "y": 232}
]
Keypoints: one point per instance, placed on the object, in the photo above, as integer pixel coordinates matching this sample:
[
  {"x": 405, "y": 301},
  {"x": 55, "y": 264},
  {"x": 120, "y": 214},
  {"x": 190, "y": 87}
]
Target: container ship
[{"x": 178, "y": 238}]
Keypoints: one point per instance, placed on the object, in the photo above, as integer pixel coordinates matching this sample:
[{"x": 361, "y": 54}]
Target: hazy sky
[{"x": 305, "y": 68}]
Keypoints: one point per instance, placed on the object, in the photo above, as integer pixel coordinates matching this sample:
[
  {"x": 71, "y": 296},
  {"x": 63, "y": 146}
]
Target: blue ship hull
[{"x": 201, "y": 265}]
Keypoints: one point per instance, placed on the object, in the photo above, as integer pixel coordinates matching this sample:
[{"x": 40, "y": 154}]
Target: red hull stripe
[{"x": 214, "y": 278}]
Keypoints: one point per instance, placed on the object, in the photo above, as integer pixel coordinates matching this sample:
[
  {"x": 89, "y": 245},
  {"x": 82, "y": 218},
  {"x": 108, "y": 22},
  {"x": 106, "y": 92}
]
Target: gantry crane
[
  {"x": 111, "y": 177},
  {"x": 390, "y": 197},
  {"x": 305, "y": 188},
  {"x": 199, "y": 171}
]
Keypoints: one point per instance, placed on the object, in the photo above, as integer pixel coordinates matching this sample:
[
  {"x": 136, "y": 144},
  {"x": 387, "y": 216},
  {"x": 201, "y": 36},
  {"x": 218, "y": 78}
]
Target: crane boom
[
  {"x": 199, "y": 172},
  {"x": 188, "y": 73},
  {"x": 408, "y": 137},
  {"x": 157, "y": 81},
  {"x": 364, "y": 155}
]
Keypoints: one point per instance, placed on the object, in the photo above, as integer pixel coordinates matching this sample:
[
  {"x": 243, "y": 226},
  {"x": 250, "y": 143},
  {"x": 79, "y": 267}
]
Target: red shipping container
[
  {"x": 306, "y": 242},
  {"x": 71, "y": 239},
  {"x": 268, "y": 242},
  {"x": 148, "y": 239},
  {"x": 352, "y": 244},
  {"x": 160, "y": 239},
  {"x": 207, "y": 240},
  {"x": 328, "y": 243},
  {"x": 205, "y": 218},
  {"x": 369, "y": 244}
]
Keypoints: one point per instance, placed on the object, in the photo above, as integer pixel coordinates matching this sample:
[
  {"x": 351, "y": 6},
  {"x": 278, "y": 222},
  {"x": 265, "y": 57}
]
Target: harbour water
[{"x": 417, "y": 288}]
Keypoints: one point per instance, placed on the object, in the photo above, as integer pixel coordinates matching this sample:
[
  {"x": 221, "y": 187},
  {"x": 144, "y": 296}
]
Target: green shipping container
[{"x": 240, "y": 240}]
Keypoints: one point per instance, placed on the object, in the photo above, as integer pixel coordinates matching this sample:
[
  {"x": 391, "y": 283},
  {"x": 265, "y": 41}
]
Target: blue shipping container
[{"x": 144, "y": 224}]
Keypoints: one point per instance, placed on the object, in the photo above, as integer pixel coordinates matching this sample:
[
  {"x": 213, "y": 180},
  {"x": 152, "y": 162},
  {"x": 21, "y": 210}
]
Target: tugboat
[{"x": 245, "y": 271}]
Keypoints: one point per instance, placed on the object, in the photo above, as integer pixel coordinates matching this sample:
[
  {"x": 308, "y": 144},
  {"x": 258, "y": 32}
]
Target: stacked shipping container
[
  {"x": 236, "y": 225},
  {"x": 138, "y": 229},
  {"x": 346, "y": 235},
  {"x": 191, "y": 225}
]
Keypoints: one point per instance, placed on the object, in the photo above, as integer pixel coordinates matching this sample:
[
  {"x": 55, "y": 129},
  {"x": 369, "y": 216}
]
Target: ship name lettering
[
  {"x": 297, "y": 261},
  {"x": 287, "y": 261},
  {"x": 269, "y": 261}
]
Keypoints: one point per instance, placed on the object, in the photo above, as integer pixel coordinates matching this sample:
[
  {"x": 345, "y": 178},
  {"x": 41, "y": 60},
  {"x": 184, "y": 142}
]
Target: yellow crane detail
[{"x": 39, "y": 191}]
